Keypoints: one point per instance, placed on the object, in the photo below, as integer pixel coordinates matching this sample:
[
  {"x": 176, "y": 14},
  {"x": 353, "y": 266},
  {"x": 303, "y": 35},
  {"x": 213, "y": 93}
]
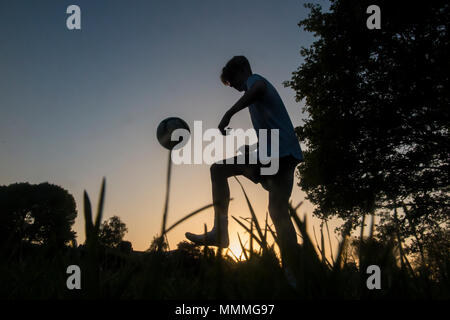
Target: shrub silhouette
[
  {"x": 112, "y": 232},
  {"x": 38, "y": 214}
]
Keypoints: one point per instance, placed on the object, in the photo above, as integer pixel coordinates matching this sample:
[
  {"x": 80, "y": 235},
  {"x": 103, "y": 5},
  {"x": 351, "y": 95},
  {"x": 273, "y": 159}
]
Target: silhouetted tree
[
  {"x": 125, "y": 246},
  {"x": 112, "y": 232},
  {"x": 39, "y": 214},
  {"x": 434, "y": 257},
  {"x": 156, "y": 242},
  {"x": 377, "y": 132}
]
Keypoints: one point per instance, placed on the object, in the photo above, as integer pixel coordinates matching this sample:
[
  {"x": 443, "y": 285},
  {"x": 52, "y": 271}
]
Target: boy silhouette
[{"x": 267, "y": 111}]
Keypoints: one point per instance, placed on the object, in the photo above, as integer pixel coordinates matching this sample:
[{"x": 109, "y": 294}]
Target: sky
[{"x": 78, "y": 105}]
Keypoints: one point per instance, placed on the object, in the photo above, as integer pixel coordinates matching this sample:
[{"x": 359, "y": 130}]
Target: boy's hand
[
  {"x": 224, "y": 123},
  {"x": 250, "y": 96}
]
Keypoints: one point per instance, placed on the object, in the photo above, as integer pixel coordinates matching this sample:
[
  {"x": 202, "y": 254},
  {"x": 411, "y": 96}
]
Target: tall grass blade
[
  {"x": 251, "y": 237},
  {"x": 265, "y": 227},
  {"x": 298, "y": 206},
  {"x": 315, "y": 238},
  {"x": 274, "y": 235},
  {"x": 361, "y": 240},
  {"x": 235, "y": 257},
  {"x": 403, "y": 259},
  {"x": 339, "y": 254},
  {"x": 322, "y": 243},
  {"x": 205, "y": 249},
  {"x": 301, "y": 225},
  {"x": 321, "y": 249},
  {"x": 248, "y": 230},
  {"x": 190, "y": 215},
  {"x": 101, "y": 202},
  {"x": 166, "y": 203},
  {"x": 372, "y": 223},
  {"x": 88, "y": 217},
  {"x": 92, "y": 261},
  {"x": 242, "y": 247},
  {"x": 258, "y": 228},
  {"x": 329, "y": 241},
  {"x": 362, "y": 227}
]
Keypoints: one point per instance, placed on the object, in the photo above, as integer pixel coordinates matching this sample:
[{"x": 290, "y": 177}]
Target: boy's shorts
[{"x": 252, "y": 171}]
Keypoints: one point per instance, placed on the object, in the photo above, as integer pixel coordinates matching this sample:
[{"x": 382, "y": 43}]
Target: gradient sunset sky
[{"x": 79, "y": 105}]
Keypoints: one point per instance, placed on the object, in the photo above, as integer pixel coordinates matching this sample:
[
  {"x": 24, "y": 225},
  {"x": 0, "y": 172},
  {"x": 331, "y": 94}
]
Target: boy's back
[{"x": 269, "y": 112}]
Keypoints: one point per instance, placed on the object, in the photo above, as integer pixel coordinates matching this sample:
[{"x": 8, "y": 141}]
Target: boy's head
[{"x": 236, "y": 72}]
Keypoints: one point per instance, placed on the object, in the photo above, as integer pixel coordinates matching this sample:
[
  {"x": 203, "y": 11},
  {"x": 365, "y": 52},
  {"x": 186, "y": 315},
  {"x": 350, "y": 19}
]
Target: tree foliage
[
  {"x": 377, "y": 132},
  {"x": 38, "y": 214},
  {"x": 112, "y": 232}
]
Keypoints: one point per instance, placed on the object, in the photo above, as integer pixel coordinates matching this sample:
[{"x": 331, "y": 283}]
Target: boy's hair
[{"x": 234, "y": 66}]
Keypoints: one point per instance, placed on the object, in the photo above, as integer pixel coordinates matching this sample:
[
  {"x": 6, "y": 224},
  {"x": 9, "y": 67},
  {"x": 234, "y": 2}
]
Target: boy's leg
[
  {"x": 220, "y": 173},
  {"x": 279, "y": 194}
]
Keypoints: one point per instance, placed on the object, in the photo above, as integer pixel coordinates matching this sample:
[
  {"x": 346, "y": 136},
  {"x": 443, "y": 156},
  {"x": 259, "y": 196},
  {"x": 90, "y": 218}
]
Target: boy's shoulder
[
  {"x": 253, "y": 78},
  {"x": 256, "y": 76}
]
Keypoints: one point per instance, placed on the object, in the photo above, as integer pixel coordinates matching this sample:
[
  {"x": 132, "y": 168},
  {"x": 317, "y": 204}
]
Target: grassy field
[{"x": 36, "y": 272}]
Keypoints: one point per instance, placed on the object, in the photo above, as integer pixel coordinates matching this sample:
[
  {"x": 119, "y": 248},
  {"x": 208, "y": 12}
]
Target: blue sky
[{"x": 79, "y": 105}]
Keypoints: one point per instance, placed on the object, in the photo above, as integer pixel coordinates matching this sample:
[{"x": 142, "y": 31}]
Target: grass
[{"x": 202, "y": 273}]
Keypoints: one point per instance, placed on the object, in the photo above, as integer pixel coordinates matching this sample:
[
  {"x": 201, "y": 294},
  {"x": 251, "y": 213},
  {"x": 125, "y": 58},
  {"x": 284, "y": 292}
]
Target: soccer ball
[{"x": 165, "y": 129}]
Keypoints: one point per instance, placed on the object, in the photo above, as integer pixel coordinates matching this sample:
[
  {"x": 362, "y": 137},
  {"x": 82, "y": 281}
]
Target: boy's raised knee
[{"x": 216, "y": 169}]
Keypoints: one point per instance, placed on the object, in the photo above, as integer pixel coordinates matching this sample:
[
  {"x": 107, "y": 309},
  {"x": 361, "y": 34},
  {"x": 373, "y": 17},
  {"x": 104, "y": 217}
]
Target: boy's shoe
[{"x": 211, "y": 239}]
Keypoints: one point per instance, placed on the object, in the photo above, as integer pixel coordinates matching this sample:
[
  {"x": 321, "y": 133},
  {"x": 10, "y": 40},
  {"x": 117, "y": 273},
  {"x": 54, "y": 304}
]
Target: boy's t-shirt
[{"x": 269, "y": 112}]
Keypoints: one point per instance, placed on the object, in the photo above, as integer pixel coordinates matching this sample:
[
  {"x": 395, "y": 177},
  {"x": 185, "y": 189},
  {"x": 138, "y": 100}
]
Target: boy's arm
[
  {"x": 257, "y": 90},
  {"x": 254, "y": 93}
]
